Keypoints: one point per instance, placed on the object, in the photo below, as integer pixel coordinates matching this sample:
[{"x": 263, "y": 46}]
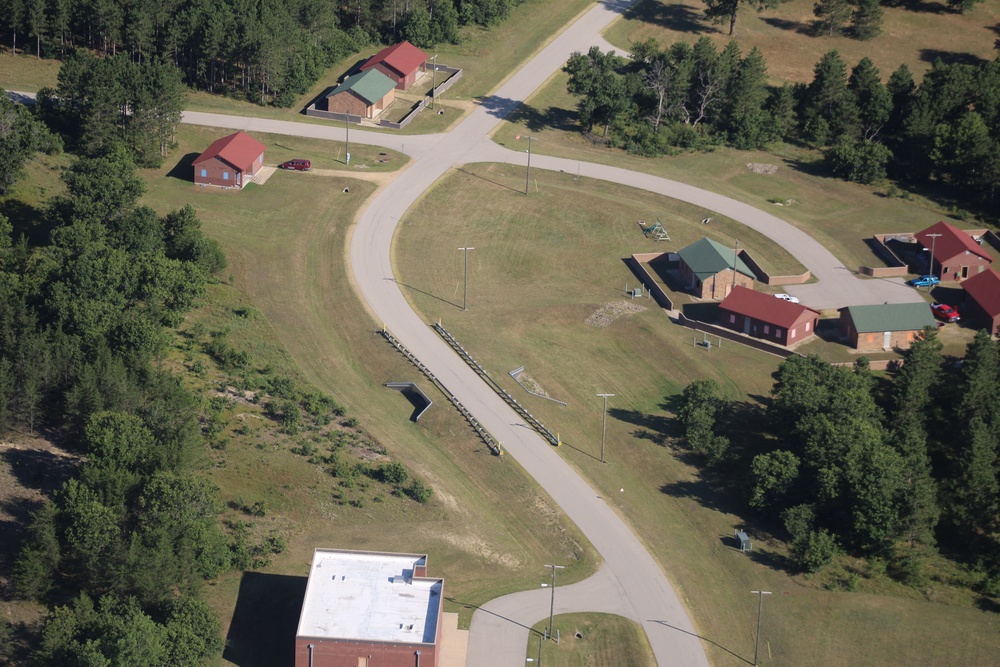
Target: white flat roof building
[{"x": 370, "y": 597}]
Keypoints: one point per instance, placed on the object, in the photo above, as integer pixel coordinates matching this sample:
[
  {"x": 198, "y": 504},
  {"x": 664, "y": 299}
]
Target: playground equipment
[{"x": 655, "y": 231}]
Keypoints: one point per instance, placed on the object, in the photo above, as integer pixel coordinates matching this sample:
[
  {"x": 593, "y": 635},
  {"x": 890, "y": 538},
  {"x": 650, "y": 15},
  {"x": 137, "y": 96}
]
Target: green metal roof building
[
  {"x": 707, "y": 267},
  {"x": 365, "y": 94},
  {"x": 886, "y": 326}
]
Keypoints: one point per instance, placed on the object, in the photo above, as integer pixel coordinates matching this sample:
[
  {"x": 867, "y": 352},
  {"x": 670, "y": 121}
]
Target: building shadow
[
  {"x": 262, "y": 631},
  {"x": 184, "y": 169}
]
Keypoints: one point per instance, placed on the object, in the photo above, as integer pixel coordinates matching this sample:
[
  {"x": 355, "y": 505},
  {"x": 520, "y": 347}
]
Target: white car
[{"x": 787, "y": 297}]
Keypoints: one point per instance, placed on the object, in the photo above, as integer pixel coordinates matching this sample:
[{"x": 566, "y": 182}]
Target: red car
[
  {"x": 296, "y": 165},
  {"x": 945, "y": 312}
]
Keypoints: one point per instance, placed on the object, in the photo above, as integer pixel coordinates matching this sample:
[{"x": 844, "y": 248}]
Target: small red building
[
  {"x": 230, "y": 162},
  {"x": 982, "y": 300},
  {"x": 763, "y": 316},
  {"x": 402, "y": 63},
  {"x": 369, "y": 609},
  {"x": 956, "y": 255}
]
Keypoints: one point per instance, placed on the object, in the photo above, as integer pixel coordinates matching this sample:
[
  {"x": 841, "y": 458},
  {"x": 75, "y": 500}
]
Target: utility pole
[
  {"x": 552, "y": 604},
  {"x": 465, "y": 289},
  {"x": 933, "y": 238},
  {"x": 736, "y": 253},
  {"x": 760, "y": 608},
  {"x": 604, "y": 423}
]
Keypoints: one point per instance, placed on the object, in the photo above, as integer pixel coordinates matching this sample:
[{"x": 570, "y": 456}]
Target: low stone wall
[{"x": 311, "y": 110}]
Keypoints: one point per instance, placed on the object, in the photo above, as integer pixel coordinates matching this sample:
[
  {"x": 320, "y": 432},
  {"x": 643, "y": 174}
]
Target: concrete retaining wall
[
  {"x": 635, "y": 263},
  {"x": 729, "y": 334}
]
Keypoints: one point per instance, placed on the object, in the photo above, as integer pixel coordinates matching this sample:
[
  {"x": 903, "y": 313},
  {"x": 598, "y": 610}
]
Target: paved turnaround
[{"x": 630, "y": 582}]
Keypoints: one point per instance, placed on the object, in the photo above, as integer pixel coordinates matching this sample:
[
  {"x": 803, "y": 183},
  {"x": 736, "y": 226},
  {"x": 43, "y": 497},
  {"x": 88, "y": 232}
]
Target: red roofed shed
[
  {"x": 230, "y": 162},
  {"x": 982, "y": 300},
  {"x": 763, "y": 316},
  {"x": 956, "y": 255},
  {"x": 401, "y": 63}
]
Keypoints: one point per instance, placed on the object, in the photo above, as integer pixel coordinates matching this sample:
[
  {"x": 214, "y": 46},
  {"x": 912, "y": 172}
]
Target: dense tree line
[
  {"x": 942, "y": 131},
  {"x": 82, "y": 316},
  {"x": 844, "y": 463},
  {"x": 21, "y": 136},
  {"x": 265, "y": 50}
]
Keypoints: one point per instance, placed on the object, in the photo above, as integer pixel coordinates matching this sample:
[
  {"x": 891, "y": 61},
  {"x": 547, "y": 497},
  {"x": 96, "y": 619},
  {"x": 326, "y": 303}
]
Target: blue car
[{"x": 925, "y": 281}]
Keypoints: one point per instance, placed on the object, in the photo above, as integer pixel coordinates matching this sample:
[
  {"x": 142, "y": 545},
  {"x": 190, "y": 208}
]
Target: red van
[{"x": 296, "y": 165}]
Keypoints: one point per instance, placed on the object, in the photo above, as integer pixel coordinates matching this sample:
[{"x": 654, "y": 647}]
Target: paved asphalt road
[{"x": 630, "y": 583}]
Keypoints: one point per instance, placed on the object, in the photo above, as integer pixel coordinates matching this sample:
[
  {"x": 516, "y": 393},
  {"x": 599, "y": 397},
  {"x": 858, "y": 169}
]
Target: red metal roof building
[
  {"x": 230, "y": 162},
  {"x": 956, "y": 255},
  {"x": 401, "y": 63},
  {"x": 763, "y": 316},
  {"x": 982, "y": 300}
]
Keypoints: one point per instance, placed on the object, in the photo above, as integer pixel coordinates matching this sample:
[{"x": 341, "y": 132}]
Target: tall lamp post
[
  {"x": 760, "y": 608},
  {"x": 604, "y": 422},
  {"x": 933, "y": 238},
  {"x": 552, "y": 604},
  {"x": 527, "y": 172},
  {"x": 434, "y": 69},
  {"x": 465, "y": 282}
]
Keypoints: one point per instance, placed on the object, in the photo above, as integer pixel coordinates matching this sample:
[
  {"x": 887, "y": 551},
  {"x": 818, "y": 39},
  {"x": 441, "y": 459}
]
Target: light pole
[
  {"x": 604, "y": 422},
  {"x": 760, "y": 608},
  {"x": 433, "y": 77},
  {"x": 465, "y": 288},
  {"x": 552, "y": 604},
  {"x": 347, "y": 137},
  {"x": 527, "y": 172},
  {"x": 736, "y": 252},
  {"x": 539, "y": 659},
  {"x": 933, "y": 238}
]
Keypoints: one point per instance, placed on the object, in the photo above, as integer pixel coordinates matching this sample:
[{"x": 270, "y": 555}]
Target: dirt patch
[
  {"x": 530, "y": 384},
  {"x": 613, "y": 311},
  {"x": 762, "y": 168},
  {"x": 31, "y": 470},
  {"x": 479, "y": 548}
]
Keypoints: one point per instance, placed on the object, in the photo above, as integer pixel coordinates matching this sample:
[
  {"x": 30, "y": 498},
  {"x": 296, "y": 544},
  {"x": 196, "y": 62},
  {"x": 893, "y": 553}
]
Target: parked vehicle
[
  {"x": 787, "y": 297},
  {"x": 945, "y": 312},
  {"x": 925, "y": 281},
  {"x": 296, "y": 165}
]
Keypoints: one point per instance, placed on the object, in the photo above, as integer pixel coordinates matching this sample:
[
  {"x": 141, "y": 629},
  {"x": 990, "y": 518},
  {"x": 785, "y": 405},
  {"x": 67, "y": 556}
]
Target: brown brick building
[
  {"x": 886, "y": 327},
  {"x": 230, "y": 162},
  {"x": 763, "y": 316},
  {"x": 956, "y": 255},
  {"x": 402, "y": 63},
  {"x": 366, "y": 94},
  {"x": 707, "y": 268}
]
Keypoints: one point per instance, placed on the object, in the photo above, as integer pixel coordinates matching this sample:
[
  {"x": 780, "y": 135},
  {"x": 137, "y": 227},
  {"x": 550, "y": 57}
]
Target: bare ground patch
[{"x": 613, "y": 311}]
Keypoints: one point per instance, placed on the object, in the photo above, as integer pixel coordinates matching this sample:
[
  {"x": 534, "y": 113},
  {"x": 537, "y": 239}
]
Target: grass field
[
  {"x": 488, "y": 530},
  {"x": 839, "y": 214},
  {"x": 543, "y": 265},
  {"x": 588, "y": 640},
  {"x": 785, "y": 37}
]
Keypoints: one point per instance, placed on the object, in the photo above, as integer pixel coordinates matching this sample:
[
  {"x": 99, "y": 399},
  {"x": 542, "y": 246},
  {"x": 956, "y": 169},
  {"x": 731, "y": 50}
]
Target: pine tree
[
  {"x": 833, "y": 15},
  {"x": 866, "y": 22}
]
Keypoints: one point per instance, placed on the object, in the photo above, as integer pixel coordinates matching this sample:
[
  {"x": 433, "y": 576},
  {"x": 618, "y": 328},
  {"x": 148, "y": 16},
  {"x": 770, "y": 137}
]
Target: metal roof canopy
[{"x": 373, "y": 596}]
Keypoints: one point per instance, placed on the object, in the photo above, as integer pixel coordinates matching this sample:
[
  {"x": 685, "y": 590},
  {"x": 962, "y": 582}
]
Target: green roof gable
[
  {"x": 892, "y": 317},
  {"x": 706, "y": 258},
  {"x": 371, "y": 86}
]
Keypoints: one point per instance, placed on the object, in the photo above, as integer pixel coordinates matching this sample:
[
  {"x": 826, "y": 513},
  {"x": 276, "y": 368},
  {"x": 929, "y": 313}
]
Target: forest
[
  {"x": 902, "y": 469},
  {"x": 940, "y": 133},
  {"x": 267, "y": 51}
]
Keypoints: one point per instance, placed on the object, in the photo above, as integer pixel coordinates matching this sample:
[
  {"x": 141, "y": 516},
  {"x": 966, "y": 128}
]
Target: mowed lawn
[
  {"x": 586, "y": 640},
  {"x": 488, "y": 529},
  {"x": 786, "y": 37},
  {"x": 542, "y": 266},
  {"x": 838, "y": 214}
]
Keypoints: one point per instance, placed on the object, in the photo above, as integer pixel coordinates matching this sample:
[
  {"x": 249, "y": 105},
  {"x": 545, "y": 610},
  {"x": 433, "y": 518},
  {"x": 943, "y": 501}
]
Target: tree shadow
[
  {"x": 793, "y": 26},
  {"x": 672, "y": 16},
  {"x": 815, "y": 168},
  {"x": 702, "y": 491},
  {"x": 988, "y": 604},
  {"x": 930, "y": 8},
  {"x": 656, "y": 427},
  {"x": 951, "y": 57},
  {"x": 994, "y": 28},
  {"x": 39, "y": 469},
  {"x": 13, "y": 530},
  {"x": 262, "y": 631},
  {"x": 184, "y": 169},
  {"x": 499, "y": 107},
  {"x": 553, "y": 118},
  {"x": 27, "y": 221}
]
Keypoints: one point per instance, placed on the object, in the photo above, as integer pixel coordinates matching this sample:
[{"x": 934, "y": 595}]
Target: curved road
[{"x": 630, "y": 583}]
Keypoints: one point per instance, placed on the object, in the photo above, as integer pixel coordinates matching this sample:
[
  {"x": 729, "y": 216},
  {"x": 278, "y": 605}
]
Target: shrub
[{"x": 419, "y": 491}]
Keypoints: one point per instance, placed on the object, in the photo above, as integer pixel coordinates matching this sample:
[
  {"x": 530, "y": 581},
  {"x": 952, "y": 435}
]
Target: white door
[{"x": 887, "y": 340}]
